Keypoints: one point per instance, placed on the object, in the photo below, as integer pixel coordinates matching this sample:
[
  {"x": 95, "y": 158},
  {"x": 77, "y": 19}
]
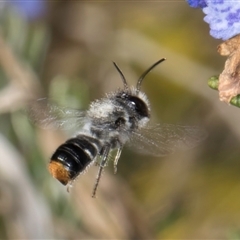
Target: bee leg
[
  {"x": 101, "y": 166},
  {"x": 119, "y": 151}
]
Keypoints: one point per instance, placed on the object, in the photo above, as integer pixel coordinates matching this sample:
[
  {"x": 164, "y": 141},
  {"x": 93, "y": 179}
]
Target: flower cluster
[{"x": 223, "y": 16}]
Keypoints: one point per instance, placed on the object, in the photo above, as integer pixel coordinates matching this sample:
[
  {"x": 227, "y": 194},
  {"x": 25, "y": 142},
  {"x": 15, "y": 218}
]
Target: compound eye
[{"x": 139, "y": 106}]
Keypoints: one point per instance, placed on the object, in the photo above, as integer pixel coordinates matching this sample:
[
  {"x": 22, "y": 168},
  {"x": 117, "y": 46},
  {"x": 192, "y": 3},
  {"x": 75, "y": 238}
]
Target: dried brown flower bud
[{"x": 229, "y": 79}]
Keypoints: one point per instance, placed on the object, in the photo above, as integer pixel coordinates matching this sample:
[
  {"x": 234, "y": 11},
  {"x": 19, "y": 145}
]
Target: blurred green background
[{"x": 64, "y": 50}]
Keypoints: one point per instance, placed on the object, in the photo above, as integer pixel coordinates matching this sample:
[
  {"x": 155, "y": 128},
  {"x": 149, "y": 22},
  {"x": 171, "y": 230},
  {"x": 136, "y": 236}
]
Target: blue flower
[
  {"x": 197, "y": 3},
  {"x": 31, "y": 9},
  {"x": 223, "y": 16}
]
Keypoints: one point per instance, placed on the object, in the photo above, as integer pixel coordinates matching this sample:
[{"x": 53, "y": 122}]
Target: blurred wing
[
  {"x": 164, "y": 139},
  {"x": 51, "y": 116}
]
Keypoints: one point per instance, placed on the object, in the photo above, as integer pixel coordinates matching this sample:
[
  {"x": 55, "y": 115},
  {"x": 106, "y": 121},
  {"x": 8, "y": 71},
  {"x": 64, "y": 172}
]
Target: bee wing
[
  {"x": 49, "y": 115},
  {"x": 164, "y": 139}
]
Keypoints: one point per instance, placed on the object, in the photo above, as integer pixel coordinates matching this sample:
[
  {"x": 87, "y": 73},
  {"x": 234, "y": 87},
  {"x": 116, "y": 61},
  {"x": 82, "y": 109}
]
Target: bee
[{"x": 120, "y": 118}]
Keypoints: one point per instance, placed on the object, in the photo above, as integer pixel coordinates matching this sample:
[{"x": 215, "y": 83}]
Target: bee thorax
[{"x": 101, "y": 109}]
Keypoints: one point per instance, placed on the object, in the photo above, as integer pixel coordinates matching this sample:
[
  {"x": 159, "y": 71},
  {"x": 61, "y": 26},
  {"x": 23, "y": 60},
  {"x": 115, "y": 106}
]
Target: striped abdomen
[{"x": 72, "y": 157}]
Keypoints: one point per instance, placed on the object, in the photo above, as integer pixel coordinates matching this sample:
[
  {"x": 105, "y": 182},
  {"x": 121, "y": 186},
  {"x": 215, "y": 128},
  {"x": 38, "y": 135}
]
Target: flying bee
[{"x": 120, "y": 117}]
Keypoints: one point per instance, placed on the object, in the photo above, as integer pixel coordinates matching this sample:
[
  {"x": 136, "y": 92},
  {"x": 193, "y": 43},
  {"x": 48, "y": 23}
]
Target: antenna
[
  {"x": 146, "y": 72},
  {"x": 122, "y": 76}
]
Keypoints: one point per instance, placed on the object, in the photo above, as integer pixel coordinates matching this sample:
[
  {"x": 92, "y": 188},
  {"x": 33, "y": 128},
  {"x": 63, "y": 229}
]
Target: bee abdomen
[{"x": 72, "y": 157}]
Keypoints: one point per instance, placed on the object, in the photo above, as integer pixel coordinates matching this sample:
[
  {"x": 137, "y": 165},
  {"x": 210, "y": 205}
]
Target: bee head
[{"x": 136, "y": 100}]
